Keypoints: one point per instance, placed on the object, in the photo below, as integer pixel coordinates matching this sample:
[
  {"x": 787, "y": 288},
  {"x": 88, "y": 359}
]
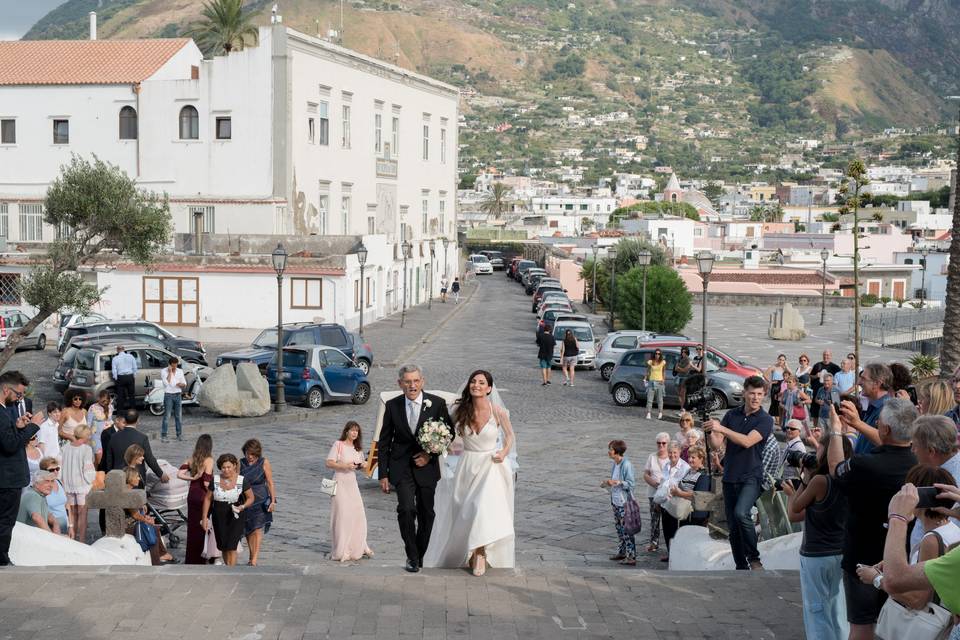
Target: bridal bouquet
[{"x": 434, "y": 436}]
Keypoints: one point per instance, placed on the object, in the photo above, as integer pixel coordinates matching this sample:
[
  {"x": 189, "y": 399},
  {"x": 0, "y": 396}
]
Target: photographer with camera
[
  {"x": 817, "y": 501},
  {"x": 875, "y": 382},
  {"x": 745, "y": 430},
  {"x": 794, "y": 449},
  {"x": 869, "y": 480}
]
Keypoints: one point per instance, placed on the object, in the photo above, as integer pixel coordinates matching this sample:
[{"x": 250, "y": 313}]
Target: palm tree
[
  {"x": 758, "y": 213},
  {"x": 225, "y": 27},
  {"x": 877, "y": 216},
  {"x": 950, "y": 349},
  {"x": 775, "y": 213},
  {"x": 496, "y": 203}
]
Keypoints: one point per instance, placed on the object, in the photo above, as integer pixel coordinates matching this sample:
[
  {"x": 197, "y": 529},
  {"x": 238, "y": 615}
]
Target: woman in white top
[
  {"x": 652, "y": 474},
  {"x": 34, "y": 455}
]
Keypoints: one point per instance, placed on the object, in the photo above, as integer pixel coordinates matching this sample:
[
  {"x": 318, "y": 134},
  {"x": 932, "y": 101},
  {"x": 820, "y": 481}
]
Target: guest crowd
[{"x": 861, "y": 459}]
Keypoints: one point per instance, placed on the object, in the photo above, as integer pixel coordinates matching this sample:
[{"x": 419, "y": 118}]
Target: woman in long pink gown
[{"x": 348, "y": 520}]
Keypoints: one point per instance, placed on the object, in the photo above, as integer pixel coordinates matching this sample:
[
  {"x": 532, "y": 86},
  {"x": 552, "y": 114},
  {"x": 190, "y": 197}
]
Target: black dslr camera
[{"x": 801, "y": 459}]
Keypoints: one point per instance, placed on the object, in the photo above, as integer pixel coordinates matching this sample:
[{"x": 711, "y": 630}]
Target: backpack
[{"x": 772, "y": 460}]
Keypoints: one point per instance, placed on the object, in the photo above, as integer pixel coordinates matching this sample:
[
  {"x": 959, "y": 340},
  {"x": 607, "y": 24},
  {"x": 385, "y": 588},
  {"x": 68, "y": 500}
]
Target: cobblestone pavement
[
  {"x": 336, "y": 602},
  {"x": 564, "y": 585}
]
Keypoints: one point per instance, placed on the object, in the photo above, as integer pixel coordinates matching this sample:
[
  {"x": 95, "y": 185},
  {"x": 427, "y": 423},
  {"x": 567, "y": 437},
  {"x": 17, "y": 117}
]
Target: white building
[
  {"x": 672, "y": 232},
  {"x": 294, "y": 136},
  {"x": 566, "y": 214}
]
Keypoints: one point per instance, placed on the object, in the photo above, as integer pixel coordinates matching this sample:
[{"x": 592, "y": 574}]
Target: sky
[{"x": 17, "y": 16}]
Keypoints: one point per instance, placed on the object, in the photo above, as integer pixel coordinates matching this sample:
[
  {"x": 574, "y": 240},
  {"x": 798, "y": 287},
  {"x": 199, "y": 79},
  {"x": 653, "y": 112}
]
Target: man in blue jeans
[
  {"x": 173, "y": 385},
  {"x": 745, "y": 429}
]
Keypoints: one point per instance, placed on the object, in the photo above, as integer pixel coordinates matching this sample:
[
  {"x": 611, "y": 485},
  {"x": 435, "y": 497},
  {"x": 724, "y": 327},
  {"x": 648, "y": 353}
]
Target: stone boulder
[
  {"x": 241, "y": 393},
  {"x": 787, "y": 324}
]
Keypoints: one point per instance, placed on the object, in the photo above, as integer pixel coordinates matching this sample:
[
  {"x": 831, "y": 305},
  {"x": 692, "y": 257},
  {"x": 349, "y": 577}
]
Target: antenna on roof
[
  {"x": 93, "y": 25},
  {"x": 275, "y": 17}
]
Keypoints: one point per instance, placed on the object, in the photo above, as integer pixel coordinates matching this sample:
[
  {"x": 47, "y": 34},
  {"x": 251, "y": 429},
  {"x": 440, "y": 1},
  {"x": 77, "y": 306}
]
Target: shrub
[{"x": 668, "y": 301}]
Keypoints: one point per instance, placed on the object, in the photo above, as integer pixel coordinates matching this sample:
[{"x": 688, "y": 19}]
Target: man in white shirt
[
  {"x": 49, "y": 434},
  {"x": 173, "y": 385},
  {"x": 124, "y": 369}
]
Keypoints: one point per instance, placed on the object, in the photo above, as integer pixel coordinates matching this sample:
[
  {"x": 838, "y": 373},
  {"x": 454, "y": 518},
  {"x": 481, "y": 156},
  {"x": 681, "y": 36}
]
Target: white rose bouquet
[{"x": 434, "y": 436}]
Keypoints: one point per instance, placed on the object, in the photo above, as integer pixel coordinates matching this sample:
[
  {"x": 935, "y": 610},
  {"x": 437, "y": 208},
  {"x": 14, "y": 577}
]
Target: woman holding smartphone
[{"x": 348, "y": 520}]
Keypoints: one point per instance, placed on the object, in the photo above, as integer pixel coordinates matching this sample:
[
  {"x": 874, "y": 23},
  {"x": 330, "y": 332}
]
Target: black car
[
  {"x": 171, "y": 342},
  {"x": 264, "y": 347},
  {"x": 522, "y": 267},
  {"x": 61, "y": 375}
]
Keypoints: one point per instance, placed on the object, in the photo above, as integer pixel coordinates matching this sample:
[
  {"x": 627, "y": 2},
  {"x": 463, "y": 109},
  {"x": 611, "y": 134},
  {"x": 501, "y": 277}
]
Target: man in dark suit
[
  {"x": 119, "y": 421},
  {"x": 14, "y": 472},
  {"x": 121, "y": 441},
  {"x": 403, "y": 463},
  {"x": 19, "y": 408}
]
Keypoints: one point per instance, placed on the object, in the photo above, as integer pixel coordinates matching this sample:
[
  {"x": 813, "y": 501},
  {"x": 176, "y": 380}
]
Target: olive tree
[{"x": 99, "y": 214}]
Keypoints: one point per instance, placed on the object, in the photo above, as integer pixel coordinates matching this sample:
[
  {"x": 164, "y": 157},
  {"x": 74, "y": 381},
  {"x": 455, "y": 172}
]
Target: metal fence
[{"x": 904, "y": 328}]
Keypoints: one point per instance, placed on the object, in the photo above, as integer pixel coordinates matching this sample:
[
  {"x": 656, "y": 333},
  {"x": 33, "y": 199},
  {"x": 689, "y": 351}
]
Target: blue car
[
  {"x": 264, "y": 348},
  {"x": 314, "y": 374}
]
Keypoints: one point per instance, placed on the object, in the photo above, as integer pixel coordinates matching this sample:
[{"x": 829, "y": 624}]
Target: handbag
[
  {"x": 329, "y": 485},
  {"x": 632, "y": 518},
  {"x": 210, "y": 549},
  {"x": 933, "y": 622},
  {"x": 679, "y": 508},
  {"x": 145, "y": 535},
  {"x": 799, "y": 412}
]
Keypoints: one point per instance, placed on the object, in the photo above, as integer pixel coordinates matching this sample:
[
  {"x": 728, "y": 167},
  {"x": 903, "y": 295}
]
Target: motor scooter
[{"x": 154, "y": 399}]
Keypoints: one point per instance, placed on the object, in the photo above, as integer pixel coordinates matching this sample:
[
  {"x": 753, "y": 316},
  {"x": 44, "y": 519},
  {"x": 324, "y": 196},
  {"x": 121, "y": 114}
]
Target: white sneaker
[
  {"x": 564, "y": 382},
  {"x": 648, "y": 416},
  {"x": 659, "y": 416}
]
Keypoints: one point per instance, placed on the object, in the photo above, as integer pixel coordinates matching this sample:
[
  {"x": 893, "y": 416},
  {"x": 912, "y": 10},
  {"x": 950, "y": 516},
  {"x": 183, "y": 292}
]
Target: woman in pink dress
[{"x": 348, "y": 520}]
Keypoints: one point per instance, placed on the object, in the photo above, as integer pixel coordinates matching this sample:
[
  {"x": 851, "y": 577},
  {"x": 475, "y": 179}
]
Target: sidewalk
[{"x": 370, "y": 601}]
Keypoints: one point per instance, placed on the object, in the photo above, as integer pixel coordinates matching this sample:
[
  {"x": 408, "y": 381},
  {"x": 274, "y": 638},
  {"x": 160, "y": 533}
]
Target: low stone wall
[{"x": 759, "y": 300}]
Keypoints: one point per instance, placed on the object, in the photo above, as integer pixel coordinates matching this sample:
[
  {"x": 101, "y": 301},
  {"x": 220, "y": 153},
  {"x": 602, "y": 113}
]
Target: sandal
[
  {"x": 653, "y": 548},
  {"x": 479, "y": 563}
]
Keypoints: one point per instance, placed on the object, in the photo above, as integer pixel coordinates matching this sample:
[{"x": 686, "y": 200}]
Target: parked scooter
[{"x": 154, "y": 399}]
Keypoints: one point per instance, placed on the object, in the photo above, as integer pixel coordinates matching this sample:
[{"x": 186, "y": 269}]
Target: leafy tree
[
  {"x": 496, "y": 202},
  {"x": 668, "y": 301},
  {"x": 225, "y": 26},
  {"x": 571, "y": 66},
  {"x": 100, "y": 213},
  {"x": 713, "y": 191}
]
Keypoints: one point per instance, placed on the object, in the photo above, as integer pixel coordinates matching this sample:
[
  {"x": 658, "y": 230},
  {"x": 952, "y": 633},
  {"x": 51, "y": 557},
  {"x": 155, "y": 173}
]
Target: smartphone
[
  {"x": 836, "y": 407},
  {"x": 929, "y": 500}
]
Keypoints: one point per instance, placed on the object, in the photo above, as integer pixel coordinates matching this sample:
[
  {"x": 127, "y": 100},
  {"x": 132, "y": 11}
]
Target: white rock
[
  {"x": 33, "y": 547},
  {"x": 787, "y": 324},
  {"x": 694, "y": 550},
  {"x": 241, "y": 393}
]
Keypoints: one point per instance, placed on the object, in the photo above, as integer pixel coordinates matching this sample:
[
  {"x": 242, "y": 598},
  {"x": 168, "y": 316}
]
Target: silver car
[
  {"x": 616, "y": 343},
  {"x": 583, "y": 332},
  {"x": 12, "y": 320}
]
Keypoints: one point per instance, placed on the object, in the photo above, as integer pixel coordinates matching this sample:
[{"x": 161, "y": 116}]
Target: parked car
[
  {"x": 314, "y": 374},
  {"x": 522, "y": 267},
  {"x": 538, "y": 279},
  {"x": 362, "y": 353},
  {"x": 718, "y": 358},
  {"x": 553, "y": 296},
  {"x": 92, "y": 368},
  {"x": 573, "y": 317},
  {"x": 11, "y": 321},
  {"x": 511, "y": 269},
  {"x": 481, "y": 264},
  {"x": 553, "y": 315},
  {"x": 264, "y": 347},
  {"x": 70, "y": 319},
  {"x": 495, "y": 258},
  {"x": 529, "y": 274},
  {"x": 543, "y": 289},
  {"x": 583, "y": 332},
  {"x": 61, "y": 375},
  {"x": 614, "y": 345},
  {"x": 554, "y": 304},
  {"x": 171, "y": 341},
  {"x": 627, "y": 385}
]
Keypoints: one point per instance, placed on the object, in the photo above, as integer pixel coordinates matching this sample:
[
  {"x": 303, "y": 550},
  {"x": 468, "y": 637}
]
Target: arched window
[
  {"x": 128, "y": 123},
  {"x": 189, "y": 123}
]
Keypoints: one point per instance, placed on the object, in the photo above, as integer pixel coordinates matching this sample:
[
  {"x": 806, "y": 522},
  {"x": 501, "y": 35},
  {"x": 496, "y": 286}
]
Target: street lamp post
[
  {"x": 279, "y": 257},
  {"x": 593, "y": 294},
  {"x": 643, "y": 259},
  {"x": 405, "y": 247},
  {"x": 612, "y": 254},
  {"x": 924, "y": 252},
  {"x": 705, "y": 267},
  {"x": 824, "y": 254},
  {"x": 446, "y": 243},
  {"x": 433, "y": 266},
  {"x": 362, "y": 259}
]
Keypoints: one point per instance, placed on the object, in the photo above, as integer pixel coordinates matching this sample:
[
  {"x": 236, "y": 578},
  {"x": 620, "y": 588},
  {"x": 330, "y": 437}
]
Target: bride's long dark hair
[{"x": 466, "y": 409}]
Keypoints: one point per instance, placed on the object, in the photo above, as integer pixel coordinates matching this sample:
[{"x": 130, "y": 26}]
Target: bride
[{"x": 474, "y": 508}]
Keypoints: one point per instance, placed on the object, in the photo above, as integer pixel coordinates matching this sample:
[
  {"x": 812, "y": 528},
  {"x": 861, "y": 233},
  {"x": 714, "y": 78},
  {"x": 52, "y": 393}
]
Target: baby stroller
[{"x": 167, "y": 503}]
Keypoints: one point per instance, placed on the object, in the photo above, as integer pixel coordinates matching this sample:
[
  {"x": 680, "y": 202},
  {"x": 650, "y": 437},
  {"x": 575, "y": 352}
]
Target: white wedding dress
[{"x": 474, "y": 506}]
